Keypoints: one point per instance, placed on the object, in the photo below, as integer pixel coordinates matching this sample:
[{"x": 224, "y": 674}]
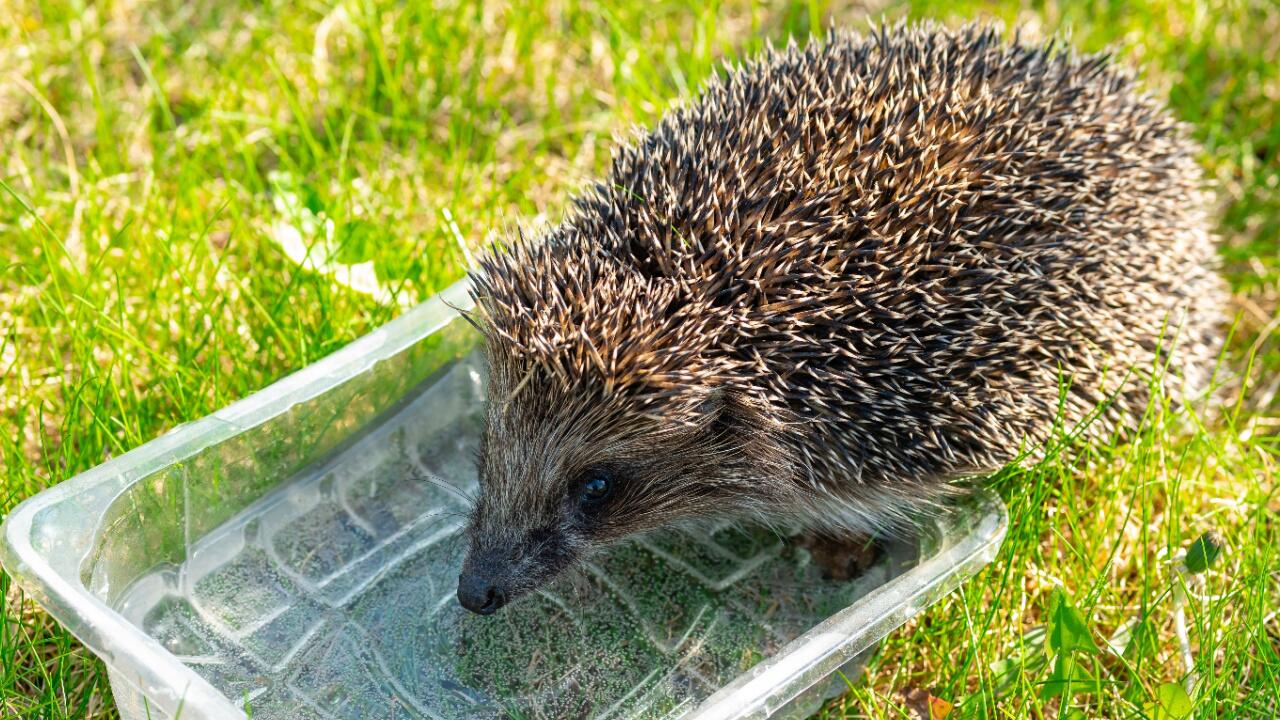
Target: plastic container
[{"x": 297, "y": 552}]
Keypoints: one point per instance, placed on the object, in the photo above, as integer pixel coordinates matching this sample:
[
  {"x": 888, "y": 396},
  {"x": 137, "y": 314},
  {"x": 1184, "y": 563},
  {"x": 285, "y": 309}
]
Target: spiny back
[{"x": 898, "y": 246}]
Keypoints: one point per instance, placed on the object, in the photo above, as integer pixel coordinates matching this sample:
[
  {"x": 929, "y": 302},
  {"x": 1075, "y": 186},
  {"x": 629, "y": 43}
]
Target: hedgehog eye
[{"x": 597, "y": 485}]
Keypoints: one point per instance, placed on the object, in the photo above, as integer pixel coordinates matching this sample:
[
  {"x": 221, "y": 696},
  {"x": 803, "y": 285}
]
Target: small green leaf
[
  {"x": 1172, "y": 703},
  {"x": 1068, "y": 631},
  {"x": 1204, "y": 552},
  {"x": 1067, "y": 678}
]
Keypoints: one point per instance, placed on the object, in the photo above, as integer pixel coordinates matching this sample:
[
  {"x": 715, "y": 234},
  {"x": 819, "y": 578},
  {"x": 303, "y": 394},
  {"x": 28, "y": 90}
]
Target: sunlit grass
[{"x": 157, "y": 142}]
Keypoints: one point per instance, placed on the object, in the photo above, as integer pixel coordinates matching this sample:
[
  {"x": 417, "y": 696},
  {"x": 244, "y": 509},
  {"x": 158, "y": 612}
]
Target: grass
[{"x": 155, "y": 155}]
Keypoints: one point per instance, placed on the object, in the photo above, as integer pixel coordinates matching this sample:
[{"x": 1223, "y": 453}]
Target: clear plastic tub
[{"x": 296, "y": 554}]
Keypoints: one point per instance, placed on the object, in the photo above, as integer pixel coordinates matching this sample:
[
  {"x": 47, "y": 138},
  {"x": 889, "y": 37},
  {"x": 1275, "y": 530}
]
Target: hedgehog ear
[
  {"x": 713, "y": 402},
  {"x": 722, "y": 410}
]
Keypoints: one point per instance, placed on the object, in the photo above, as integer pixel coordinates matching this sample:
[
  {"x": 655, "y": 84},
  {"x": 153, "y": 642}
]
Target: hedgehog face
[{"x": 562, "y": 476}]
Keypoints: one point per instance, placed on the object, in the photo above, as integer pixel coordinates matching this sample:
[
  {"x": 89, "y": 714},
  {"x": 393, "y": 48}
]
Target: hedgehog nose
[{"x": 479, "y": 595}]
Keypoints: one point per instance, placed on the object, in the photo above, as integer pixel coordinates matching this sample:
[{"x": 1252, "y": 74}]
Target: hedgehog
[{"x": 844, "y": 277}]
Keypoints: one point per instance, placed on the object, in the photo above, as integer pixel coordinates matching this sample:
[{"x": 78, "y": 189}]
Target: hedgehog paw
[{"x": 839, "y": 556}]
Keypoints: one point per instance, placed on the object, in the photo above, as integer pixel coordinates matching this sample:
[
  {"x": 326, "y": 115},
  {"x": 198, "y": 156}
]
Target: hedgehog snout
[
  {"x": 504, "y": 565},
  {"x": 482, "y": 588}
]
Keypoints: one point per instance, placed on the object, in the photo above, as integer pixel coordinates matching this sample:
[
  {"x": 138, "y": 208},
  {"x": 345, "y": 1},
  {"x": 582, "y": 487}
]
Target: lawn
[{"x": 162, "y": 159}]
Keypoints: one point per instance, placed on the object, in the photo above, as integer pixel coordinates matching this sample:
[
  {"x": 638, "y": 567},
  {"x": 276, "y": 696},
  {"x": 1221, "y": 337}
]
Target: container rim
[{"x": 155, "y": 672}]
